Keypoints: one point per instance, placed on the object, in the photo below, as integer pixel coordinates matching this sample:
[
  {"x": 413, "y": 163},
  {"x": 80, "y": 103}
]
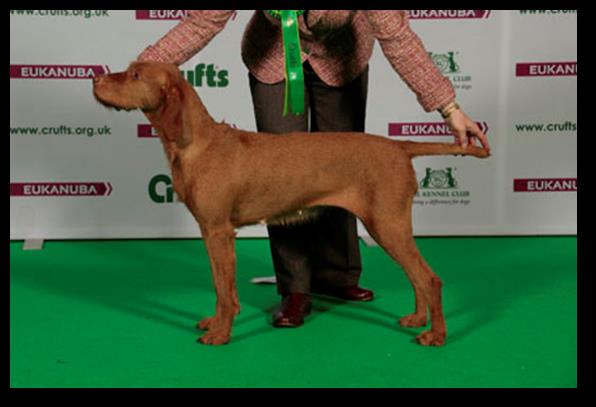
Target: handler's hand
[{"x": 466, "y": 130}]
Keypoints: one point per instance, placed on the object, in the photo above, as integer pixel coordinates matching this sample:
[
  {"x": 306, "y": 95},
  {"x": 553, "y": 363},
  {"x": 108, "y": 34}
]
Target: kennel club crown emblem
[
  {"x": 445, "y": 62},
  {"x": 439, "y": 179}
]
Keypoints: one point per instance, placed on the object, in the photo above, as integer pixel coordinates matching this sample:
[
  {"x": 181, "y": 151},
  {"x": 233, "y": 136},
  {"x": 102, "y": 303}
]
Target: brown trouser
[{"x": 323, "y": 252}]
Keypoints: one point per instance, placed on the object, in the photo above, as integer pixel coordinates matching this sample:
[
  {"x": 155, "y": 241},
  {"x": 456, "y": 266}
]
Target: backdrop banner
[{"x": 80, "y": 171}]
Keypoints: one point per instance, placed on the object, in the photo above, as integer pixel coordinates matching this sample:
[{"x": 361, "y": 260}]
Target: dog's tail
[{"x": 414, "y": 149}]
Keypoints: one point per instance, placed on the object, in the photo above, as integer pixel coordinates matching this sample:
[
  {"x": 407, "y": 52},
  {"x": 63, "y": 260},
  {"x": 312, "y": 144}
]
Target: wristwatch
[{"x": 447, "y": 110}]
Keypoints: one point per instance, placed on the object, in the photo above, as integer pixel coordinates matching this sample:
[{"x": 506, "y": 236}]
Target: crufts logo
[
  {"x": 160, "y": 189},
  {"x": 213, "y": 77}
]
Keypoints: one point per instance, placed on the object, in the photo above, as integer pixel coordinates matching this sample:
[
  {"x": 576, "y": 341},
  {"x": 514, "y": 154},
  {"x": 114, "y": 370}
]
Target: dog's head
[
  {"x": 144, "y": 85},
  {"x": 155, "y": 88}
]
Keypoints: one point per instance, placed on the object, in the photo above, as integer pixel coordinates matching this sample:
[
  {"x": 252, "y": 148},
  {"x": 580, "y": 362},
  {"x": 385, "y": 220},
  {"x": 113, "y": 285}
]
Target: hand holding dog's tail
[{"x": 414, "y": 149}]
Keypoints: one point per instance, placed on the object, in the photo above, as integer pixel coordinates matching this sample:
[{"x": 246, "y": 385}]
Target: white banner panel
[{"x": 81, "y": 171}]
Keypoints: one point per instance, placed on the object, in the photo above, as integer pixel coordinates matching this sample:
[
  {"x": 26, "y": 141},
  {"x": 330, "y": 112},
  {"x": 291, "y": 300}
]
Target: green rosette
[{"x": 294, "y": 91}]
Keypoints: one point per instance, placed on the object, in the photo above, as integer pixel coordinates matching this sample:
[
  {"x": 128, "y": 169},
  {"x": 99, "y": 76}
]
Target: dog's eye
[{"x": 135, "y": 75}]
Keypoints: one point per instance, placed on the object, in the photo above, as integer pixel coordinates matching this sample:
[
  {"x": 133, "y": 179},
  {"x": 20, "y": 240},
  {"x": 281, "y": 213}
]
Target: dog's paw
[
  {"x": 413, "y": 321},
  {"x": 206, "y": 323},
  {"x": 431, "y": 338},
  {"x": 215, "y": 337}
]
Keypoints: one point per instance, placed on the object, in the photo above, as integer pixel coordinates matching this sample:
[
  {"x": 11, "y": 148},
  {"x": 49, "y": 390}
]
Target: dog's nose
[{"x": 98, "y": 79}]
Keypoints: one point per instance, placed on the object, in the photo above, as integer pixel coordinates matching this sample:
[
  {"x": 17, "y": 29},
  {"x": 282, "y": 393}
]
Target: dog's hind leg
[
  {"x": 220, "y": 248},
  {"x": 394, "y": 235}
]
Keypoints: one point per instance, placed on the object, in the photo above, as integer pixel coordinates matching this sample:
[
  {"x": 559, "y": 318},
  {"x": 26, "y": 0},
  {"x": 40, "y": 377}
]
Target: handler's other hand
[{"x": 466, "y": 130}]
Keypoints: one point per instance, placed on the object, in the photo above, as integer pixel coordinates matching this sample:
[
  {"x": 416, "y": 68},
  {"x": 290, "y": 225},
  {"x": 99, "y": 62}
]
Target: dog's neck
[{"x": 197, "y": 124}]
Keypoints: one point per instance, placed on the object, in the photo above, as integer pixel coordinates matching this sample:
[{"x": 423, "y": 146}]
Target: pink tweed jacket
[{"x": 337, "y": 43}]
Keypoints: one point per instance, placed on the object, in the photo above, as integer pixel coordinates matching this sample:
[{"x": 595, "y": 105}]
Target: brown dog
[{"x": 230, "y": 178}]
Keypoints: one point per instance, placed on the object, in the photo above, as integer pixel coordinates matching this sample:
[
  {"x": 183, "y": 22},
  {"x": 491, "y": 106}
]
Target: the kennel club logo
[
  {"x": 438, "y": 179},
  {"x": 546, "y": 69},
  {"x": 33, "y": 189},
  {"x": 545, "y": 185},
  {"x": 447, "y": 63},
  {"x": 161, "y": 14},
  {"x": 425, "y": 129},
  {"x": 57, "y": 71},
  {"x": 447, "y": 14},
  {"x": 440, "y": 187}
]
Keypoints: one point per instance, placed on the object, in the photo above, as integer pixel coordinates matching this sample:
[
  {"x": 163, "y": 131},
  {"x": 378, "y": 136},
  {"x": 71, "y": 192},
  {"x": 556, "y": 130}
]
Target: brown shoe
[
  {"x": 350, "y": 293},
  {"x": 294, "y": 307}
]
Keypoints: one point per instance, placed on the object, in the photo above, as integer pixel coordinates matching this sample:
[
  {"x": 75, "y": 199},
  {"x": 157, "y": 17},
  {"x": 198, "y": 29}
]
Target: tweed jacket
[{"x": 337, "y": 43}]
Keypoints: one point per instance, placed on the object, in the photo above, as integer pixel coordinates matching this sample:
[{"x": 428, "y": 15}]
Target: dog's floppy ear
[{"x": 171, "y": 115}]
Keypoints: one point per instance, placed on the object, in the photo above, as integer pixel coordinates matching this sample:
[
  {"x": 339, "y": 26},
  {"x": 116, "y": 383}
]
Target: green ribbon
[{"x": 294, "y": 91}]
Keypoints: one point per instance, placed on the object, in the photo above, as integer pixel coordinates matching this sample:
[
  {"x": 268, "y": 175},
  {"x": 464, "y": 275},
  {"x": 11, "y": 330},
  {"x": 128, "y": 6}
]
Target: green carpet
[{"x": 122, "y": 314}]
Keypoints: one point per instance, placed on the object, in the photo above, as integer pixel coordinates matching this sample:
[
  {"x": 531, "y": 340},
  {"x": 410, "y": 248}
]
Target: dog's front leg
[{"x": 220, "y": 248}]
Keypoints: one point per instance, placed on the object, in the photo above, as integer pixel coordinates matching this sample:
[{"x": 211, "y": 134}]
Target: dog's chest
[{"x": 178, "y": 178}]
